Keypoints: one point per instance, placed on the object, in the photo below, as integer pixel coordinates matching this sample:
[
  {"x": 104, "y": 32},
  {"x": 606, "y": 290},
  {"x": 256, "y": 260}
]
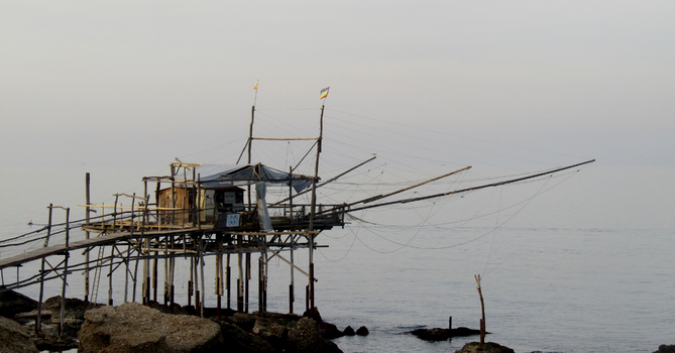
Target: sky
[{"x": 143, "y": 82}]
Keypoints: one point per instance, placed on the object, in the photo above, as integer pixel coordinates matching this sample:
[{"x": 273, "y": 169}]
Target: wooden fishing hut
[{"x": 200, "y": 211}]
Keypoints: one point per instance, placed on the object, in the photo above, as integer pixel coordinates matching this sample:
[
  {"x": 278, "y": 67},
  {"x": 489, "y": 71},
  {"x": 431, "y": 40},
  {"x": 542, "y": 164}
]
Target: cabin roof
[{"x": 221, "y": 176}]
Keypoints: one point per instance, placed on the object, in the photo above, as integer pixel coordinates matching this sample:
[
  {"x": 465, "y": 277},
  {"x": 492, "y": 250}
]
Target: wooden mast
[{"x": 313, "y": 211}]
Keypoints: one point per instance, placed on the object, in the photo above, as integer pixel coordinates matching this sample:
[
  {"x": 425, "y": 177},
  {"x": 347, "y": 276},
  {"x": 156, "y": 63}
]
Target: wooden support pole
[
  {"x": 166, "y": 271},
  {"x": 191, "y": 280},
  {"x": 154, "y": 279},
  {"x": 110, "y": 275},
  {"x": 227, "y": 279},
  {"x": 240, "y": 280},
  {"x": 248, "y": 278},
  {"x": 198, "y": 303},
  {"x": 87, "y": 182},
  {"x": 291, "y": 291},
  {"x": 126, "y": 274},
  {"x": 65, "y": 274},
  {"x": 201, "y": 270},
  {"x": 38, "y": 321}
]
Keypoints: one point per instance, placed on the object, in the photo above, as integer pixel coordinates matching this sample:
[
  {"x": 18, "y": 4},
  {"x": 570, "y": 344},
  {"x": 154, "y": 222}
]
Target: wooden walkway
[{"x": 59, "y": 249}]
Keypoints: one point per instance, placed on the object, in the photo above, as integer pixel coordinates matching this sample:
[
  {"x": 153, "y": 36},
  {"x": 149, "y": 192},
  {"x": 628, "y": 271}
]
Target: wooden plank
[{"x": 57, "y": 249}]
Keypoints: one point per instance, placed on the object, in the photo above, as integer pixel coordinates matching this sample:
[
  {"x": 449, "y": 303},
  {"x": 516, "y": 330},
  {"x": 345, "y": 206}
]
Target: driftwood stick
[{"x": 482, "y": 309}]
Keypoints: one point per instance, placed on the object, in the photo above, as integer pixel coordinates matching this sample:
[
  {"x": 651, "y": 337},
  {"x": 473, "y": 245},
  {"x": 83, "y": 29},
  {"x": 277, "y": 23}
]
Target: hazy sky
[{"x": 124, "y": 82}]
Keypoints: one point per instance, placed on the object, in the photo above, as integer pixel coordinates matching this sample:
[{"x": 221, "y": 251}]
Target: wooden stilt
[
  {"x": 38, "y": 321},
  {"x": 291, "y": 292},
  {"x": 198, "y": 303},
  {"x": 228, "y": 282},
  {"x": 201, "y": 278},
  {"x": 190, "y": 281},
  {"x": 248, "y": 278},
  {"x": 87, "y": 235},
  {"x": 126, "y": 274},
  {"x": 110, "y": 276},
  {"x": 154, "y": 279},
  {"x": 65, "y": 274}
]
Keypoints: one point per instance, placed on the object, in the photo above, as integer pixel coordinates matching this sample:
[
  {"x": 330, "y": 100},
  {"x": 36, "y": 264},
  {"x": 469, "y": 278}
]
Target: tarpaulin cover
[{"x": 217, "y": 176}]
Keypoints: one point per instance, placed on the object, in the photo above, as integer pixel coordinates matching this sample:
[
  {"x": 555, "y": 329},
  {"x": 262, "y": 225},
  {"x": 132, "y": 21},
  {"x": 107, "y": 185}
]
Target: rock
[
  {"x": 666, "y": 349},
  {"x": 240, "y": 341},
  {"x": 306, "y": 338},
  {"x": 132, "y": 327},
  {"x": 314, "y": 314},
  {"x": 12, "y": 303},
  {"x": 15, "y": 338},
  {"x": 329, "y": 331},
  {"x": 490, "y": 347},
  {"x": 434, "y": 334},
  {"x": 362, "y": 331},
  {"x": 349, "y": 331},
  {"x": 442, "y": 334}
]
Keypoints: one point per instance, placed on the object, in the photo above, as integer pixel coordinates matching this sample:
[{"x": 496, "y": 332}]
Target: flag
[
  {"x": 256, "y": 86},
  {"x": 324, "y": 93}
]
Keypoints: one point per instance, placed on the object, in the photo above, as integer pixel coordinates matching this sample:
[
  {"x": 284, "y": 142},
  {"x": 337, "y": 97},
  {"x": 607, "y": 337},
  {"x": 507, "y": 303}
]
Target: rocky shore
[{"x": 133, "y": 327}]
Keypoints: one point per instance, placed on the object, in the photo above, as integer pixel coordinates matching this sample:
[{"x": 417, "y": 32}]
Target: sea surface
[{"x": 587, "y": 267}]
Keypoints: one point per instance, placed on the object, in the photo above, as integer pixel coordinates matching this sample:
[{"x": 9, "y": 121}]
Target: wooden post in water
[{"x": 482, "y": 309}]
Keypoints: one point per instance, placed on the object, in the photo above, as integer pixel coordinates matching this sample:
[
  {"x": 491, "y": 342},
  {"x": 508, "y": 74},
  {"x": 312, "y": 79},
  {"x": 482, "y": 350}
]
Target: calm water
[{"x": 586, "y": 267}]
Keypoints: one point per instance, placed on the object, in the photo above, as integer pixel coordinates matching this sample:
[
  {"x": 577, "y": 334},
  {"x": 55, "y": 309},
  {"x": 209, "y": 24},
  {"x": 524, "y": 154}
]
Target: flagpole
[{"x": 323, "y": 96}]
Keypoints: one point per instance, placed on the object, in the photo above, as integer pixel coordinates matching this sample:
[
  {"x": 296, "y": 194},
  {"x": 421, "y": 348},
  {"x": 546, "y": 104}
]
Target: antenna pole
[
  {"x": 313, "y": 212},
  {"x": 250, "y": 140}
]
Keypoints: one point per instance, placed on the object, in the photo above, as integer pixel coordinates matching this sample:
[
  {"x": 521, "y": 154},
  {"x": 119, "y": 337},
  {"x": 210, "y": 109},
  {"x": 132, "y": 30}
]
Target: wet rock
[
  {"x": 12, "y": 303},
  {"x": 362, "y": 331},
  {"x": 306, "y": 338},
  {"x": 490, "y": 347},
  {"x": 133, "y": 327},
  {"x": 314, "y": 314},
  {"x": 240, "y": 341},
  {"x": 434, "y": 334},
  {"x": 442, "y": 334},
  {"x": 329, "y": 331},
  {"x": 349, "y": 331},
  {"x": 15, "y": 338},
  {"x": 666, "y": 349}
]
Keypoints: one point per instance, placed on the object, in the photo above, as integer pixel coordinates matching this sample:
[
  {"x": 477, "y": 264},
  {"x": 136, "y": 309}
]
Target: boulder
[
  {"x": 434, "y": 334},
  {"x": 349, "y": 331},
  {"x": 12, "y": 303},
  {"x": 306, "y": 338},
  {"x": 313, "y": 313},
  {"x": 666, "y": 349},
  {"x": 132, "y": 327},
  {"x": 490, "y": 347},
  {"x": 14, "y": 338},
  {"x": 362, "y": 331},
  {"x": 329, "y": 331},
  {"x": 239, "y": 341},
  {"x": 442, "y": 334}
]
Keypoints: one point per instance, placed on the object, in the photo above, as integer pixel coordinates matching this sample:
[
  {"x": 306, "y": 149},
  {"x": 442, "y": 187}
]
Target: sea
[{"x": 586, "y": 266}]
